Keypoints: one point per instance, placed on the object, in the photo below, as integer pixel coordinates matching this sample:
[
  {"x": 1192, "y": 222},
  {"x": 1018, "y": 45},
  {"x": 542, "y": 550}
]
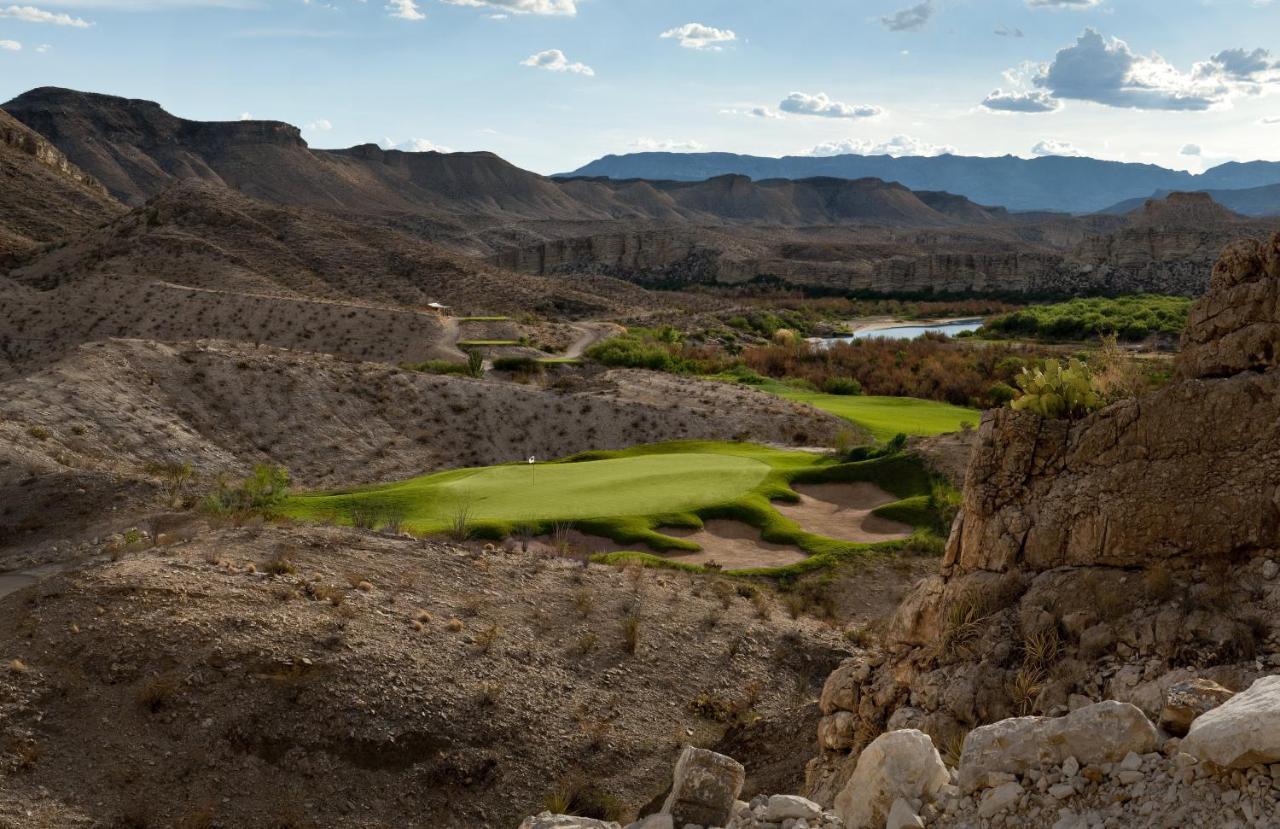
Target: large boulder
[
  {"x": 1185, "y": 701},
  {"x": 899, "y": 764},
  {"x": 1236, "y": 326},
  {"x": 704, "y": 788},
  {"x": 1100, "y": 733},
  {"x": 1243, "y": 731}
]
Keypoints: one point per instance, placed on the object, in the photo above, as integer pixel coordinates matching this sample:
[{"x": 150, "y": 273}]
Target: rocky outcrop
[
  {"x": 900, "y": 765},
  {"x": 1129, "y": 555},
  {"x": 704, "y": 788},
  {"x": 1242, "y": 732}
]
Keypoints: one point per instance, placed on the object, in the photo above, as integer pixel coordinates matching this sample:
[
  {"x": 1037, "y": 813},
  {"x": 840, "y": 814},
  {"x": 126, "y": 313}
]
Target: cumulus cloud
[
  {"x": 555, "y": 7},
  {"x": 1034, "y": 100},
  {"x": 553, "y": 60},
  {"x": 669, "y": 146},
  {"x": 31, "y": 14},
  {"x": 319, "y": 125},
  {"x": 700, "y": 36},
  {"x": 1191, "y": 149},
  {"x": 1063, "y": 4},
  {"x": 245, "y": 116},
  {"x": 1052, "y": 146},
  {"x": 10, "y": 45},
  {"x": 754, "y": 112},
  {"x": 800, "y": 103},
  {"x": 1106, "y": 71},
  {"x": 404, "y": 9},
  {"x": 414, "y": 145},
  {"x": 898, "y": 145},
  {"x": 910, "y": 19}
]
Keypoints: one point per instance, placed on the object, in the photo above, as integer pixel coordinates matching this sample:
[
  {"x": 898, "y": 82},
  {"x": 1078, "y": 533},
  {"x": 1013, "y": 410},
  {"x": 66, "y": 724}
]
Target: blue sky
[{"x": 552, "y": 84}]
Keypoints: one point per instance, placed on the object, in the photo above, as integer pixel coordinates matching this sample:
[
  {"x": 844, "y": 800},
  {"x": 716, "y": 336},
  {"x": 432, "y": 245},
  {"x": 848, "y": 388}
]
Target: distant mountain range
[{"x": 1058, "y": 183}]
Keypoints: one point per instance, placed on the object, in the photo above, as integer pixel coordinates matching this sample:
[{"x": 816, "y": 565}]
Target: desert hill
[
  {"x": 43, "y": 196},
  {"x": 138, "y": 149}
]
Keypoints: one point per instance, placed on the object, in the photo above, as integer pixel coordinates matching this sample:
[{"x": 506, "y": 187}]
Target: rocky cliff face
[
  {"x": 1163, "y": 250},
  {"x": 1110, "y": 557}
]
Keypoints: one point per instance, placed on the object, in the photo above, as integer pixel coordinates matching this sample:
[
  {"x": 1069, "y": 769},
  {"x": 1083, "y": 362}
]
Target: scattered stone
[
  {"x": 1000, "y": 798},
  {"x": 546, "y": 820},
  {"x": 1244, "y": 731},
  {"x": 704, "y": 788},
  {"x": 1101, "y": 733},
  {"x": 1185, "y": 701},
  {"x": 898, "y": 764},
  {"x": 901, "y": 816},
  {"x": 785, "y": 806}
]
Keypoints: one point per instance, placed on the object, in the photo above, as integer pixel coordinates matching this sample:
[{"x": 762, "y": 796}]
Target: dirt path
[
  {"x": 13, "y": 582},
  {"x": 590, "y": 333},
  {"x": 449, "y": 336}
]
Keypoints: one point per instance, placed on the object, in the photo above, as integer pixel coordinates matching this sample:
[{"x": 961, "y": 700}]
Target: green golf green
[
  {"x": 884, "y": 417},
  {"x": 629, "y": 495}
]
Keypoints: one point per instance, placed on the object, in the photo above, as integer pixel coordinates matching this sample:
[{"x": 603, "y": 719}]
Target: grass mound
[
  {"x": 627, "y": 495},
  {"x": 884, "y": 417}
]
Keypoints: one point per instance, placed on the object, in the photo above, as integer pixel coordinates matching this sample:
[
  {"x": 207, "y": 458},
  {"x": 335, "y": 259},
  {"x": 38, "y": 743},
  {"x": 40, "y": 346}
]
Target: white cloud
[
  {"x": 244, "y": 116},
  {"x": 898, "y": 145},
  {"x": 43, "y": 47},
  {"x": 30, "y": 14},
  {"x": 1064, "y": 4},
  {"x": 754, "y": 112},
  {"x": 651, "y": 145},
  {"x": 554, "y": 7},
  {"x": 10, "y": 45},
  {"x": 910, "y": 19},
  {"x": 553, "y": 60},
  {"x": 404, "y": 9},
  {"x": 1052, "y": 146},
  {"x": 1191, "y": 149},
  {"x": 319, "y": 125},
  {"x": 1105, "y": 71},
  {"x": 700, "y": 36},
  {"x": 1270, "y": 120},
  {"x": 1034, "y": 100},
  {"x": 801, "y": 103},
  {"x": 414, "y": 145}
]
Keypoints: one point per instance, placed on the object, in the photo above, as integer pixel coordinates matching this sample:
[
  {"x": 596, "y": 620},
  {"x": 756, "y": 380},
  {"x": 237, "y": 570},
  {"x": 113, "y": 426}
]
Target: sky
[{"x": 552, "y": 84}]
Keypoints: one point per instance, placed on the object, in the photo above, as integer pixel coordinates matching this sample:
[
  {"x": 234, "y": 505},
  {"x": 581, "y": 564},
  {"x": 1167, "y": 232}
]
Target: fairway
[
  {"x": 885, "y": 417},
  {"x": 639, "y": 496},
  {"x": 642, "y": 485}
]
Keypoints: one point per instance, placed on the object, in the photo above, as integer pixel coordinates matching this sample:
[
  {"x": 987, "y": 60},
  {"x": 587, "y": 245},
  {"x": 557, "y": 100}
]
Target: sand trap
[
  {"x": 843, "y": 511},
  {"x": 840, "y": 511},
  {"x": 733, "y": 545}
]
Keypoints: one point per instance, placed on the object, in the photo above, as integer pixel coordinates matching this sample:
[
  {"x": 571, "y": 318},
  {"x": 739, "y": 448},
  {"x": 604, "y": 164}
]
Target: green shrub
[
  {"x": 1058, "y": 391},
  {"x": 516, "y": 364},
  {"x": 1001, "y": 393},
  {"x": 261, "y": 493},
  {"x": 1130, "y": 318},
  {"x": 842, "y": 385},
  {"x": 438, "y": 367}
]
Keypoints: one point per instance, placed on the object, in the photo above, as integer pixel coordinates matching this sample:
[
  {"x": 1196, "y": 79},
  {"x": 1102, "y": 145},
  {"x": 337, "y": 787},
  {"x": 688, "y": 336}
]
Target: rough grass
[
  {"x": 884, "y": 417},
  {"x": 627, "y": 495}
]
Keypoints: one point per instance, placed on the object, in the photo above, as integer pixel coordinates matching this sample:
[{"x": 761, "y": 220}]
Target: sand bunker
[
  {"x": 843, "y": 511},
  {"x": 840, "y": 511}
]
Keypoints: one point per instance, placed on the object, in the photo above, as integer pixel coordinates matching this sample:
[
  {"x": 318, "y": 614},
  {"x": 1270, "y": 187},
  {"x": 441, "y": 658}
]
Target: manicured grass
[
  {"x": 481, "y": 343},
  {"x": 627, "y": 495},
  {"x": 884, "y": 417},
  {"x": 556, "y": 361}
]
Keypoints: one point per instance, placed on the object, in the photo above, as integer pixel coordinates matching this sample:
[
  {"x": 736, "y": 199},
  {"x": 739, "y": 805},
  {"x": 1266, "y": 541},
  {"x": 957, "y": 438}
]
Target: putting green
[
  {"x": 884, "y": 417},
  {"x": 644, "y": 485}
]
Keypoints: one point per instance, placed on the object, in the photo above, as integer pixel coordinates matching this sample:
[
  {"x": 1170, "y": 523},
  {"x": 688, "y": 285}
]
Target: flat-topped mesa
[{"x": 1198, "y": 210}]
